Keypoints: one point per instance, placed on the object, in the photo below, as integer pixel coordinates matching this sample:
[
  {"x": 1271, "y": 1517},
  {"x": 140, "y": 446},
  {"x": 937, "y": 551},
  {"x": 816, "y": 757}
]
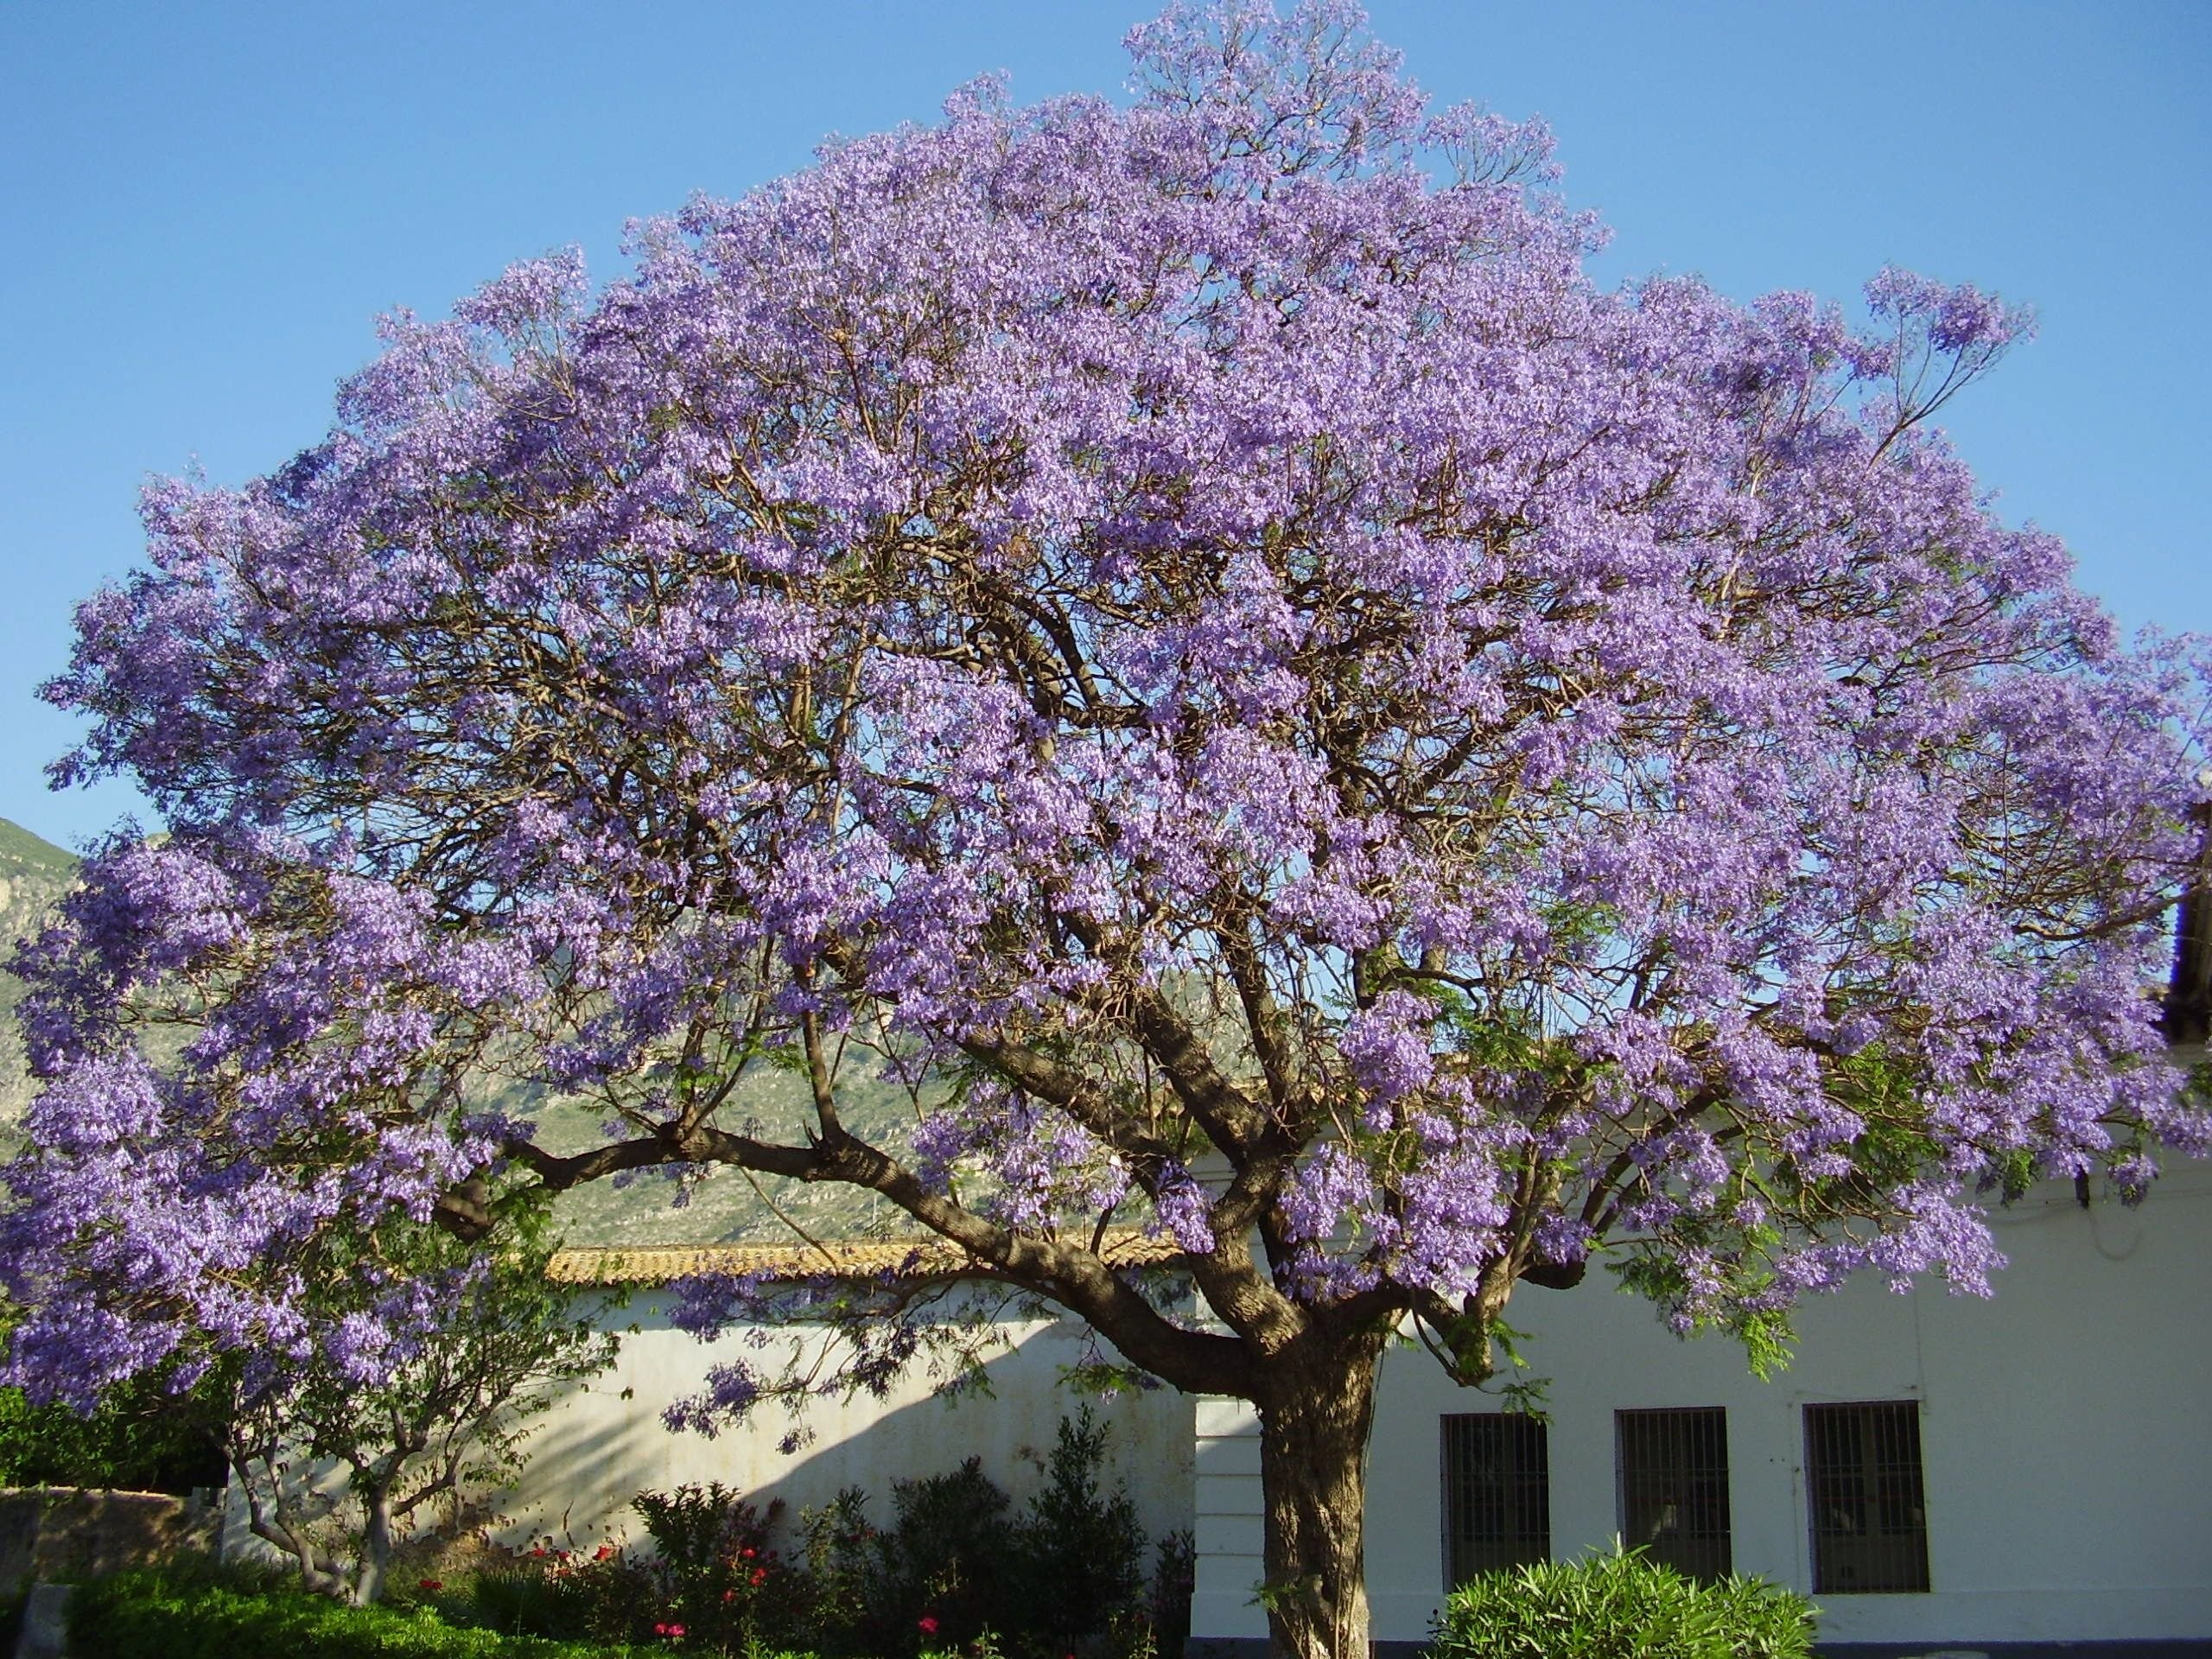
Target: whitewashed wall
[
  {"x": 596, "y": 1449},
  {"x": 2066, "y": 1437}
]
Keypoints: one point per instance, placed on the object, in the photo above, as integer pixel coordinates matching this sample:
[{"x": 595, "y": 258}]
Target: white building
[
  {"x": 1937, "y": 1471},
  {"x": 1934, "y": 1471}
]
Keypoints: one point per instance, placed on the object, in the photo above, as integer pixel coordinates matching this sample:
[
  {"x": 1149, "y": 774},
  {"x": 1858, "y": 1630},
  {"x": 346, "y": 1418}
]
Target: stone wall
[{"x": 59, "y": 1532}]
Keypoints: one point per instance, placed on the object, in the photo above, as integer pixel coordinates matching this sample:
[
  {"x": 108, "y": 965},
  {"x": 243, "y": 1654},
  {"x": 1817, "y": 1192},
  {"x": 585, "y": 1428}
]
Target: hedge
[{"x": 153, "y": 1615}]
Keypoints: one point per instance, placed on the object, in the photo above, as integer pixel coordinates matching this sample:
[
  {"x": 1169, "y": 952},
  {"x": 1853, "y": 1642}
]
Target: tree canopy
[{"x": 1197, "y": 637}]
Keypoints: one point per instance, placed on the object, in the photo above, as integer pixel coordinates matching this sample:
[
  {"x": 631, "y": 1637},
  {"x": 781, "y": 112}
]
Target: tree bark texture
[
  {"x": 376, "y": 1545},
  {"x": 1314, "y": 1421}
]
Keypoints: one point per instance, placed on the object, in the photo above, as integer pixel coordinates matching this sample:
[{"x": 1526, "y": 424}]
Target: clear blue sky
[{"x": 205, "y": 207}]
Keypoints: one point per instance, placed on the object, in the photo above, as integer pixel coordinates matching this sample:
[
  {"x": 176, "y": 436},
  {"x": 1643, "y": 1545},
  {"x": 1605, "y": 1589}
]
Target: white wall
[
  {"x": 2066, "y": 1435},
  {"x": 596, "y": 1449}
]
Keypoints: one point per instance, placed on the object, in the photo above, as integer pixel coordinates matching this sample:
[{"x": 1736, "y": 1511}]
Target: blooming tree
[
  {"x": 414, "y": 1373},
  {"x": 1196, "y": 636}
]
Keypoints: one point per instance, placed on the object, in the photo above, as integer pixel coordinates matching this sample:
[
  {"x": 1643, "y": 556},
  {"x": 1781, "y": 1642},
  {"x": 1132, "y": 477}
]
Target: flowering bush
[
  {"x": 716, "y": 1572},
  {"x": 956, "y": 1571},
  {"x": 947, "y": 1559},
  {"x": 944, "y": 1579},
  {"x": 958, "y": 1567}
]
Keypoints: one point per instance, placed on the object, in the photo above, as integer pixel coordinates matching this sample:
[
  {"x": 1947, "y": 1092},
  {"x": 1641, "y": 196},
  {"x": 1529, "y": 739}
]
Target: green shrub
[
  {"x": 717, "y": 1572},
  {"x": 554, "y": 1594},
  {"x": 1078, "y": 1552},
  {"x": 163, "y": 1615},
  {"x": 942, "y": 1566},
  {"x": 1175, "y": 1575},
  {"x": 841, "y": 1546},
  {"x": 1619, "y": 1606}
]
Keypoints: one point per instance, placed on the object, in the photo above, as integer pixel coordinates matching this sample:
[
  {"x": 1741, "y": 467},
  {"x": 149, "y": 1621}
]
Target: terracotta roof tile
[{"x": 658, "y": 1264}]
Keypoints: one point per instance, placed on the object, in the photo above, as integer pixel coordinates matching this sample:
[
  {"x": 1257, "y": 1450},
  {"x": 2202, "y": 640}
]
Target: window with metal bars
[
  {"x": 1870, "y": 1517},
  {"x": 1498, "y": 1497},
  {"x": 1674, "y": 1486}
]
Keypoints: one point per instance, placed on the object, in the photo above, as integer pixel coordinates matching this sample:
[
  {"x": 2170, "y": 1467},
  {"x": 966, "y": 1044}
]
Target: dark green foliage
[
  {"x": 944, "y": 1558},
  {"x": 1079, "y": 1550},
  {"x": 1619, "y": 1606},
  {"x": 1061, "y": 1577},
  {"x": 1174, "y": 1574},
  {"x": 609, "y": 1599},
  {"x": 1064, "y": 1576},
  {"x": 142, "y": 1439},
  {"x": 717, "y": 1571},
  {"x": 514, "y": 1600},
  {"x": 159, "y": 1615},
  {"x": 840, "y": 1554}
]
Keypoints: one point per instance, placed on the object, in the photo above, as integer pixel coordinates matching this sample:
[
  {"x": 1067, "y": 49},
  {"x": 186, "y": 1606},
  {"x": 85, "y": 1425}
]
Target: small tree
[
  {"x": 1196, "y": 639},
  {"x": 415, "y": 1411}
]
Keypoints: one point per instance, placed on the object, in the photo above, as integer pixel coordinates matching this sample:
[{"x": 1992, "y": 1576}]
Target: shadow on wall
[{"x": 605, "y": 1441}]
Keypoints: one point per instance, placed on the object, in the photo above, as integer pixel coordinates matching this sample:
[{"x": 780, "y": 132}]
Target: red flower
[
  {"x": 602, "y": 1552},
  {"x": 760, "y": 1576},
  {"x": 747, "y": 1554},
  {"x": 428, "y": 1584},
  {"x": 928, "y": 1622}
]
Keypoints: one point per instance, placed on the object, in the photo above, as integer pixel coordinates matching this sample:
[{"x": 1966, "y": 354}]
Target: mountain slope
[{"x": 34, "y": 874}]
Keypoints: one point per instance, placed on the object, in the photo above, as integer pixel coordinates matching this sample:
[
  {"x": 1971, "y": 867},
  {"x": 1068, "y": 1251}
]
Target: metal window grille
[
  {"x": 1497, "y": 1499},
  {"x": 1870, "y": 1517},
  {"x": 1674, "y": 1486}
]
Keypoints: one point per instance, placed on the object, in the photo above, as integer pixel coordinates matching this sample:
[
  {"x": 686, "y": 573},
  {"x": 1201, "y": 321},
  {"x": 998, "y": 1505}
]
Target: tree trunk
[
  {"x": 376, "y": 1544},
  {"x": 1313, "y": 1427},
  {"x": 275, "y": 1523}
]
